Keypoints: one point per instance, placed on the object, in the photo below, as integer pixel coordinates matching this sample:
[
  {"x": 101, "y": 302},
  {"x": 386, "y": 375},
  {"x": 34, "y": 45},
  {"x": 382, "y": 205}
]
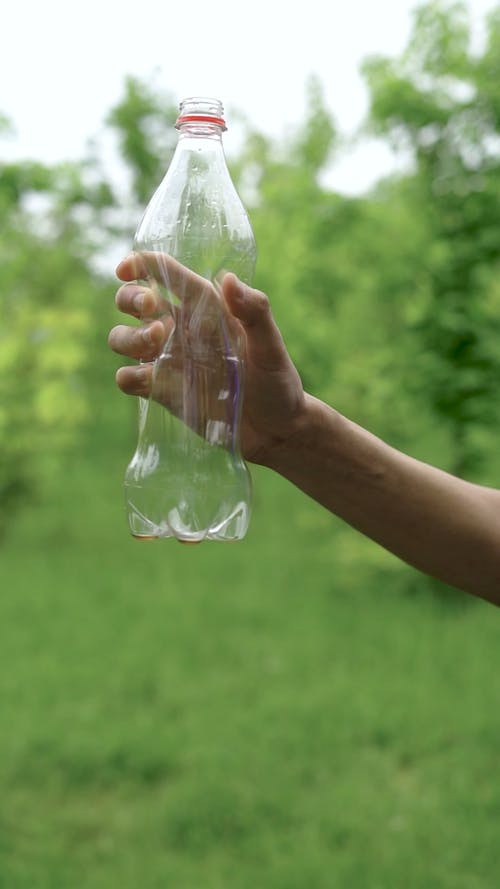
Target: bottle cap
[{"x": 201, "y": 110}]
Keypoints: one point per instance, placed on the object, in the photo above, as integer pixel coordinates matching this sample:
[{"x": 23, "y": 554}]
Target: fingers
[
  {"x": 135, "y": 380},
  {"x": 139, "y": 301},
  {"x": 252, "y": 309},
  {"x": 142, "y": 380},
  {"x": 164, "y": 269},
  {"x": 138, "y": 342},
  {"x": 248, "y": 306}
]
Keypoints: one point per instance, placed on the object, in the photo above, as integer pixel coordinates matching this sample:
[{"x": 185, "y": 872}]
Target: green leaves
[
  {"x": 144, "y": 120},
  {"x": 47, "y": 299},
  {"x": 441, "y": 99},
  {"x": 317, "y": 136},
  {"x": 440, "y": 41},
  {"x": 389, "y": 303}
]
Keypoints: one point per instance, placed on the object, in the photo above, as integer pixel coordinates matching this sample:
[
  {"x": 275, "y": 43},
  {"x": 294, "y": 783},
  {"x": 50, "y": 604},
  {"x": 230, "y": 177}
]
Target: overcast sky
[{"x": 62, "y": 65}]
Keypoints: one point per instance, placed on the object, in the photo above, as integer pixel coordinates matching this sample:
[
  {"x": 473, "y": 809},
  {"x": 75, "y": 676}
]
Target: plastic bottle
[{"x": 187, "y": 478}]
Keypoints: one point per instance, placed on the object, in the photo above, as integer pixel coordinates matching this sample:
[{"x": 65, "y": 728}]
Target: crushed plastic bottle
[{"x": 187, "y": 478}]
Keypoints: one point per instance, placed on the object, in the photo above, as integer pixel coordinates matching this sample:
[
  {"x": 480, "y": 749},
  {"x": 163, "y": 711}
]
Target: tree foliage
[
  {"x": 440, "y": 100},
  {"x": 143, "y": 120},
  {"x": 389, "y": 302},
  {"x": 47, "y": 298}
]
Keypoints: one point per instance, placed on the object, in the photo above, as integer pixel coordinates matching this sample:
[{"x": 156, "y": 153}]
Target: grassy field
[{"x": 277, "y": 713}]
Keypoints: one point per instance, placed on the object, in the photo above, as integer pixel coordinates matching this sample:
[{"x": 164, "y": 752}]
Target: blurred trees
[
  {"x": 47, "y": 299},
  {"x": 144, "y": 122},
  {"x": 441, "y": 100},
  {"x": 338, "y": 287},
  {"x": 389, "y": 302}
]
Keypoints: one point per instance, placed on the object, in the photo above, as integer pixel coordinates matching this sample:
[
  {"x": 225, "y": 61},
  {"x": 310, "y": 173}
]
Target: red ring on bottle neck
[{"x": 203, "y": 118}]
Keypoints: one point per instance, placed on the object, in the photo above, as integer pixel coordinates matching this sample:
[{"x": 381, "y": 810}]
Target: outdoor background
[{"x": 301, "y": 709}]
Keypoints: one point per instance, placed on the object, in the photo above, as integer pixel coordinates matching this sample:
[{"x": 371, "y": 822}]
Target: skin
[{"x": 442, "y": 525}]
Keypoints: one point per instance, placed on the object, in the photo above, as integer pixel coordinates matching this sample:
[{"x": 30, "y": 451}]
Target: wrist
[{"x": 306, "y": 430}]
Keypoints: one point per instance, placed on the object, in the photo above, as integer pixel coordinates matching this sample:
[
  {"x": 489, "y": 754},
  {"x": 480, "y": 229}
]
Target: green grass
[{"x": 276, "y": 713}]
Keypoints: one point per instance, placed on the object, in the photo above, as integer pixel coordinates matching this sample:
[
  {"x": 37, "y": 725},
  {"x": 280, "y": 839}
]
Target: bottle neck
[
  {"x": 201, "y": 117},
  {"x": 197, "y": 129},
  {"x": 200, "y": 125}
]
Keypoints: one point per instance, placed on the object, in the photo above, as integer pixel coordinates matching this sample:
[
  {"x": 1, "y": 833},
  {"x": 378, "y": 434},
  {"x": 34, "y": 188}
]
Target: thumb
[
  {"x": 249, "y": 306},
  {"x": 252, "y": 309}
]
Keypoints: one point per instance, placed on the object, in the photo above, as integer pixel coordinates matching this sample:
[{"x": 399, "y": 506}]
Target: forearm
[{"x": 442, "y": 525}]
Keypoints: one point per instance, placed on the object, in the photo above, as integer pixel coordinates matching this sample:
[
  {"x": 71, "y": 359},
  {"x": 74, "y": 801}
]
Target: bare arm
[{"x": 440, "y": 524}]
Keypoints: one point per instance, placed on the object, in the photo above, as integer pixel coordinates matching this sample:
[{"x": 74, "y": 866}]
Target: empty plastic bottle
[{"x": 187, "y": 478}]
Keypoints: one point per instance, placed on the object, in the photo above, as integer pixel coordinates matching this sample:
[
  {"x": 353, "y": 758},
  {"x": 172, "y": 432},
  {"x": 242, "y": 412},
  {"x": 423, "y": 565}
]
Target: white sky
[{"x": 63, "y": 64}]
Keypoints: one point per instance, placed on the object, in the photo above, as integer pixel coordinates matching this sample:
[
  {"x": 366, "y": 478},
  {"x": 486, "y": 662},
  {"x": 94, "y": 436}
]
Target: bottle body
[{"x": 187, "y": 478}]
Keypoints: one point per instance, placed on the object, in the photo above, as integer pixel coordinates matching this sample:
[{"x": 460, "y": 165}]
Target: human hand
[{"x": 274, "y": 400}]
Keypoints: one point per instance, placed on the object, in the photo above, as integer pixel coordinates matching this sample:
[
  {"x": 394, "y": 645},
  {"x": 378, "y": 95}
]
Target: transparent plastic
[{"x": 187, "y": 478}]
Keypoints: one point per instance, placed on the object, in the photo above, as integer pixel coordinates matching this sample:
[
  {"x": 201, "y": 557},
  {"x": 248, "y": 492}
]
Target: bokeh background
[{"x": 301, "y": 709}]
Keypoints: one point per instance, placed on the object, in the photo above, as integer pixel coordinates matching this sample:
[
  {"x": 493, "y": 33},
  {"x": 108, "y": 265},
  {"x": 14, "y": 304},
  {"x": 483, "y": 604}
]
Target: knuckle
[
  {"x": 262, "y": 306},
  {"x": 129, "y": 297}
]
